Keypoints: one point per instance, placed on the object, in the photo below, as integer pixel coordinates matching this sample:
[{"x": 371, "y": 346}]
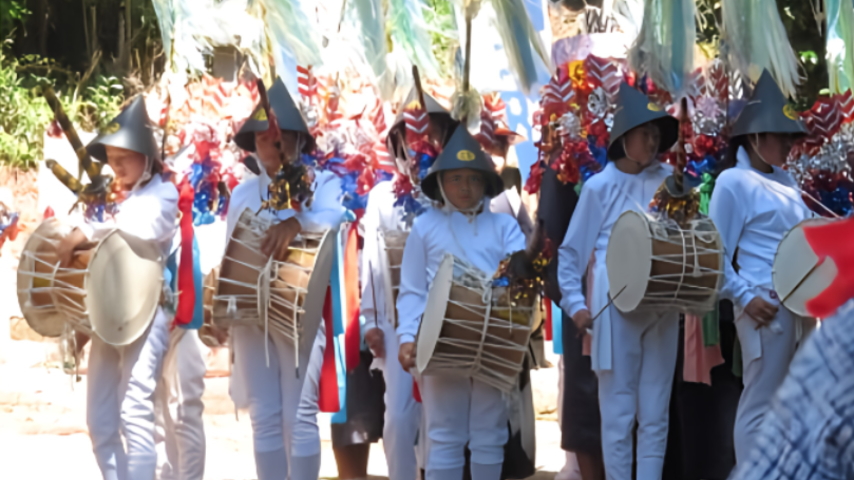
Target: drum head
[
  {"x": 434, "y": 313},
  {"x": 35, "y": 303},
  {"x": 792, "y": 264},
  {"x": 123, "y": 287},
  {"x": 629, "y": 260},
  {"x": 313, "y": 306}
]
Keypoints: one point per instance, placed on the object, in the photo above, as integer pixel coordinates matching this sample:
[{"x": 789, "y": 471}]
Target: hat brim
[
  {"x": 668, "y": 127},
  {"x": 430, "y": 185},
  {"x": 246, "y": 139}
]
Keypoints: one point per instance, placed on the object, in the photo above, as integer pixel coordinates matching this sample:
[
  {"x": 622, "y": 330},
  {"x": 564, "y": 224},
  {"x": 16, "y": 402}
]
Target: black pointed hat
[
  {"x": 462, "y": 151},
  {"x": 131, "y": 130},
  {"x": 768, "y": 111},
  {"x": 288, "y": 116},
  {"x": 635, "y": 109}
]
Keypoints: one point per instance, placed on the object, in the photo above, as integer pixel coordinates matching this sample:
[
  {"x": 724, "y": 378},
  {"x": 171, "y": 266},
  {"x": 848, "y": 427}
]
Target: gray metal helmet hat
[
  {"x": 288, "y": 116},
  {"x": 635, "y": 109},
  {"x": 462, "y": 151},
  {"x": 768, "y": 111},
  {"x": 131, "y": 130}
]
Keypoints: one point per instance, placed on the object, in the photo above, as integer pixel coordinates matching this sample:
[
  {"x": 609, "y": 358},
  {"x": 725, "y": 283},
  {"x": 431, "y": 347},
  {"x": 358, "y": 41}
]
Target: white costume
[
  {"x": 402, "y": 412},
  {"x": 753, "y": 211},
  {"x": 457, "y": 410},
  {"x": 122, "y": 380},
  {"x": 634, "y": 355},
  {"x": 274, "y": 394},
  {"x": 180, "y": 428}
]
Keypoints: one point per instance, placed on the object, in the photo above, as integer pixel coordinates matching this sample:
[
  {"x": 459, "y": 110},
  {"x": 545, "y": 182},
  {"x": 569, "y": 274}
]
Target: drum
[
  {"x": 211, "y": 335},
  {"x": 284, "y": 296},
  {"x": 84, "y": 295},
  {"x": 658, "y": 266},
  {"x": 393, "y": 242},
  {"x": 799, "y": 275},
  {"x": 473, "y": 329},
  {"x": 50, "y": 296}
]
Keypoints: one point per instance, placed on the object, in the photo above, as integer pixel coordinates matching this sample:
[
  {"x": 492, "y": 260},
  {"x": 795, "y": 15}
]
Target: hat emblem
[
  {"x": 112, "y": 128},
  {"x": 653, "y": 107},
  {"x": 790, "y": 112},
  {"x": 465, "y": 155},
  {"x": 261, "y": 114}
]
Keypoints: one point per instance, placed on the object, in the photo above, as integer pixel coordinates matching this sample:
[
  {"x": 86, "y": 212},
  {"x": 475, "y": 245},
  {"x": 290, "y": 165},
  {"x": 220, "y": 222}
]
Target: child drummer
[
  {"x": 402, "y": 412},
  {"x": 634, "y": 355},
  {"x": 754, "y": 205},
  {"x": 284, "y": 441},
  {"x": 121, "y": 380},
  {"x": 458, "y": 410}
]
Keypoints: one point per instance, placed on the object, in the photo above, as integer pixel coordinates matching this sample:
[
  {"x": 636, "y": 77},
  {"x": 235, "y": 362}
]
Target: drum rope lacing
[
  {"x": 272, "y": 308},
  {"x": 485, "y": 366},
  {"x": 66, "y": 298}
]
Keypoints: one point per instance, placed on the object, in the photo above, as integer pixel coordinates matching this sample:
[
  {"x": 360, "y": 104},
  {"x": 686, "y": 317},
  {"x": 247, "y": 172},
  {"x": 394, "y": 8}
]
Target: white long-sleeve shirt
[
  {"x": 324, "y": 212},
  {"x": 149, "y": 212},
  {"x": 753, "y": 211},
  {"x": 482, "y": 242},
  {"x": 603, "y": 199},
  {"x": 380, "y": 215}
]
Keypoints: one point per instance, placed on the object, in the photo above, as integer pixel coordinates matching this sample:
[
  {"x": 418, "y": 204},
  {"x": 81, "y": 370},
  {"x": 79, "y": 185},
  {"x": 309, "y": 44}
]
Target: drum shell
[
  {"x": 393, "y": 242},
  {"x": 706, "y": 261}
]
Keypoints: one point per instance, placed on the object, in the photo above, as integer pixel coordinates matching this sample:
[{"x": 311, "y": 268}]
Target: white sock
[
  {"x": 305, "y": 468},
  {"x": 272, "y": 465},
  {"x": 485, "y": 472},
  {"x": 445, "y": 474}
]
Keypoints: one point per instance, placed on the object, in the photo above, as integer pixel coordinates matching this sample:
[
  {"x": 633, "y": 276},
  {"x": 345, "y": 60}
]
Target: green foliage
[
  {"x": 12, "y": 13},
  {"x": 24, "y": 115},
  {"x": 439, "y": 17}
]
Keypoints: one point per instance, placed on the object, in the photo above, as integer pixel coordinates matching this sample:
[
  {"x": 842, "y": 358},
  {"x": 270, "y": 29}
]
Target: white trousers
[
  {"x": 763, "y": 375},
  {"x": 402, "y": 414},
  {"x": 282, "y": 407},
  {"x": 120, "y": 402},
  {"x": 637, "y": 389},
  {"x": 179, "y": 408},
  {"x": 460, "y": 411}
]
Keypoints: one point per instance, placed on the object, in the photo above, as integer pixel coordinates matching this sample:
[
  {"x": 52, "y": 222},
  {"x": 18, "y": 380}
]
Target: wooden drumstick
[
  {"x": 610, "y": 301},
  {"x": 802, "y": 280}
]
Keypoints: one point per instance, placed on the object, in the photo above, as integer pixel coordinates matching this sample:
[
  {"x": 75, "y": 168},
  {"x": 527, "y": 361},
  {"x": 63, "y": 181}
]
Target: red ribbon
[
  {"x": 328, "y": 401},
  {"x": 352, "y": 333},
  {"x": 416, "y": 394},
  {"x": 186, "y": 287}
]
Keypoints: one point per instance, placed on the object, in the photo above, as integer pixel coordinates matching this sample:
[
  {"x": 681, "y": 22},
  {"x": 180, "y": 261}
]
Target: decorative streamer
[
  {"x": 754, "y": 38},
  {"x": 290, "y": 30},
  {"x": 366, "y": 16},
  {"x": 664, "y": 49},
  {"x": 840, "y": 44},
  {"x": 521, "y": 42},
  {"x": 408, "y": 30}
]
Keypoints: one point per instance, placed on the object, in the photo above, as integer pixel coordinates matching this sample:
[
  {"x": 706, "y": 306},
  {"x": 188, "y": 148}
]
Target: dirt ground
[{"x": 43, "y": 427}]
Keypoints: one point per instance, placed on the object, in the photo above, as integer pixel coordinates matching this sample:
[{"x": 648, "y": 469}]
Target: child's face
[
  {"x": 267, "y": 150},
  {"x": 774, "y": 147},
  {"x": 642, "y": 143},
  {"x": 464, "y": 187},
  {"x": 127, "y": 165}
]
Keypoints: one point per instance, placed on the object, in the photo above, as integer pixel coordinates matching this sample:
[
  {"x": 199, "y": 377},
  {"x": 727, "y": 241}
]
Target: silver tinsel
[
  {"x": 597, "y": 103},
  {"x": 708, "y": 118},
  {"x": 569, "y": 126},
  {"x": 832, "y": 157}
]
